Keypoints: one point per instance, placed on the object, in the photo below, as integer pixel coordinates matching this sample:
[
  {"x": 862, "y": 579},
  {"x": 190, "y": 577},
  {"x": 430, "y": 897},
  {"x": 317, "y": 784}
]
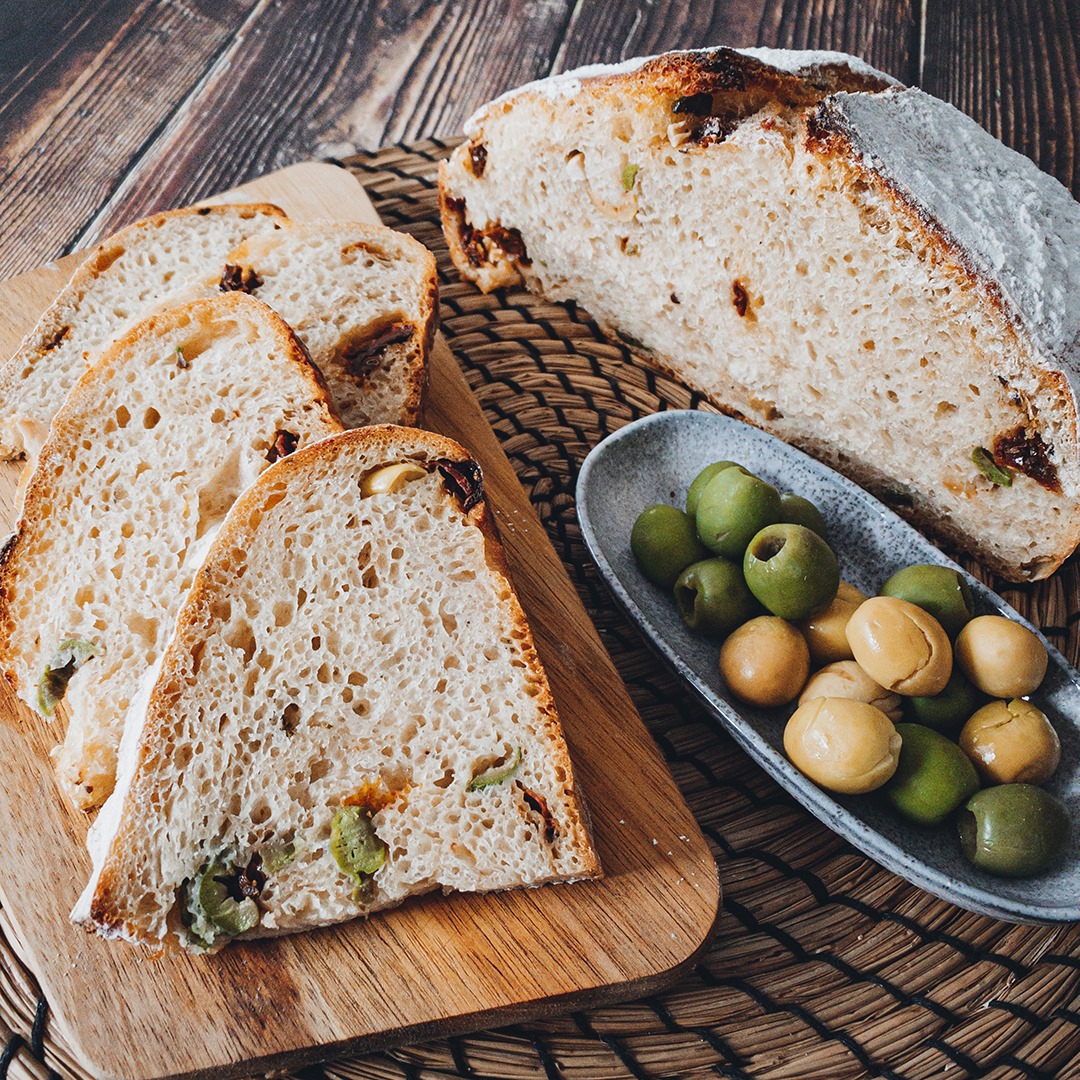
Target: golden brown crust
[
  {"x": 414, "y": 413},
  {"x": 683, "y": 74}
]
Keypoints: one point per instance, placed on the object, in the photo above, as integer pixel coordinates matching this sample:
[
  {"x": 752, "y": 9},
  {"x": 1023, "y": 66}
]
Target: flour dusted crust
[
  {"x": 854, "y": 266},
  {"x": 338, "y": 646},
  {"x": 151, "y": 448}
]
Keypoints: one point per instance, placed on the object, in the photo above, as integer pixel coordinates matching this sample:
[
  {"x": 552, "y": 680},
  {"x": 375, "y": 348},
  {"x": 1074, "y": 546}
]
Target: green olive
[
  {"x": 732, "y": 508},
  {"x": 948, "y": 710},
  {"x": 703, "y": 478},
  {"x": 227, "y": 914},
  {"x": 799, "y": 511},
  {"x": 791, "y": 570},
  {"x": 713, "y": 597},
  {"x": 1011, "y": 742},
  {"x": 942, "y": 591},
  {"x": 765, "y": 662},
  {"x": 901, "y": 646},
  {"x": 932, "y": 778},
  {"x": 1014, "y": 830},
  {"x": 845, "y": 679},
  {"x": 1001, "y": 657},
  {"x": 826, "y": 632},
  {"x": 664, "y": 544},
  {"x": 845, "y": 746}
]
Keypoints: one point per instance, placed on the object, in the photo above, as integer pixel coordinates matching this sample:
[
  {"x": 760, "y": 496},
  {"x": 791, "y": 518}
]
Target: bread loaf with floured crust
[
  {"x": 856, "y": 267},
  {"x": 352, "y": 656},
  {"x": 142, "y": 267},
  {"x": 142, "y": 463}
]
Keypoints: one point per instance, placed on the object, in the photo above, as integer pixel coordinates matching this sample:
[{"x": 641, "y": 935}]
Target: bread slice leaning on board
[
  {"x": 351, "y": 711},
  {"x": 362, "y": 298},
  {"x": 856, "y": 267},
  {"x": 148, "y": 453}
]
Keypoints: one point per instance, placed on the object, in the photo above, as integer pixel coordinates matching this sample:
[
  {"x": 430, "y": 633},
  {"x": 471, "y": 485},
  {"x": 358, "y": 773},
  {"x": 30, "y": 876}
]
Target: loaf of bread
[
  {"x": 351, "y": 711},
  {"x": 856, "y": 267},
  {"x": 125, "y": 278},
  {"x": 148, "y": 453},
  {"x": 362, "y": 299}
]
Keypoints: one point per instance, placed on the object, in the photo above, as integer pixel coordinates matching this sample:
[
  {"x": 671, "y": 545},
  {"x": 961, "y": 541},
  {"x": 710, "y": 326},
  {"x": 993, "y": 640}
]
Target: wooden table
[{"x": 111, "y": 110}]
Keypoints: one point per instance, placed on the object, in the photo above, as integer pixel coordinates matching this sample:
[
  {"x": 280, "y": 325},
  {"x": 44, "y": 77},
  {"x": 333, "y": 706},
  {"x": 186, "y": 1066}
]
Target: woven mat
[{"x": 824, "y": 965}]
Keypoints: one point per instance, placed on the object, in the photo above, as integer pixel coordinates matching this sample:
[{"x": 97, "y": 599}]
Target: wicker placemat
[{"x": 824, "y": 965}]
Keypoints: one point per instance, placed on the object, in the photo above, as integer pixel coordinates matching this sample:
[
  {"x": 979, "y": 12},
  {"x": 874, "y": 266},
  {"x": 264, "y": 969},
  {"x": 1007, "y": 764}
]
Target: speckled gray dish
[{"x": 653, "y": 460}]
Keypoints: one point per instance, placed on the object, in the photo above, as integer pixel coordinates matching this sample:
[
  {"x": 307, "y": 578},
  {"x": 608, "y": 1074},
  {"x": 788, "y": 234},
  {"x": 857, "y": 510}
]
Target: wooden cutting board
[{"x": 435, "y": 966}]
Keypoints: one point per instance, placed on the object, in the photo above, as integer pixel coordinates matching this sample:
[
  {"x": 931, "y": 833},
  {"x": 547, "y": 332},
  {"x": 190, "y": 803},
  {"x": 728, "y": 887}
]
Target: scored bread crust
[
  {"x": 879, "y": 184},
  {"x": 35, "y": 381},
  {"x": 143, "y": 855},
  {"x": 193, "y": 434}
]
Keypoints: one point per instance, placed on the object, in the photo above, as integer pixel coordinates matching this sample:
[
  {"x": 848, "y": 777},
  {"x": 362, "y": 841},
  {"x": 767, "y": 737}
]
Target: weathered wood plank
[
  {"x": 38, "y": 46},
  {"x": 338, "y": 72},
  {"x": 885, "y": 33},
  {"x": 1013, "y": 65},
  {"x": 73, "y": 132}
]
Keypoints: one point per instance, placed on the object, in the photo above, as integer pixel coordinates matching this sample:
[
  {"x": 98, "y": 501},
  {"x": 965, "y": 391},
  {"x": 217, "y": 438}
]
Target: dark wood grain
[
  {"x": 65, "y": 151},
  {"x": 1013, "y": 65},
  {"x": 310, "y": 77},
  {"x": 42, "y": 44}
]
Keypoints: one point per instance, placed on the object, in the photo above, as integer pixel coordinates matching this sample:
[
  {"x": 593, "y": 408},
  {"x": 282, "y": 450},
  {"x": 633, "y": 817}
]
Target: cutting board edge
[{"x": 449, "y": 1027}]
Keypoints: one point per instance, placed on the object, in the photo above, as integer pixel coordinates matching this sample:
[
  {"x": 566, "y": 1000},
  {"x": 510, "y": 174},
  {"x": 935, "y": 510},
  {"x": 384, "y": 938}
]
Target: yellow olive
[
  {"x": 1011, "y": 742},
  {"x": 845, "y": 746},
  {"x": 390, "y": 478},
  {"x": 1001, "y": 657},
  {"x": 765, "y": 661},
  {"x": 845, "y": 679},
  {"x": 900, "y": 646},
  {"x": 825, "y": 633}
]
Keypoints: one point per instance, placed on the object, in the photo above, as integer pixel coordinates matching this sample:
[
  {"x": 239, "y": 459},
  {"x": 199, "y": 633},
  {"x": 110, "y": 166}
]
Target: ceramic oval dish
[{"x": 653, "y": 460}]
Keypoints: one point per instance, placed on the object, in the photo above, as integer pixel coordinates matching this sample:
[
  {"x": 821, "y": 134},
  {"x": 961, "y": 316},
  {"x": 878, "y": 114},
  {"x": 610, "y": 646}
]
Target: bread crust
[
  {"x": 106, "y": 911},
  {"x": 55, "y": 322}
]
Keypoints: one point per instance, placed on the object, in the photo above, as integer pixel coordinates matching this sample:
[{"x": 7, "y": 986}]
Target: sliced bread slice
[
  {"x": 148, "y": 264},
  {"x": 855, "y": 267},
  {"x": 350, "y": 712},
  {"x": 150, "y": 450},
  {"x": 362, "y": 298}
]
